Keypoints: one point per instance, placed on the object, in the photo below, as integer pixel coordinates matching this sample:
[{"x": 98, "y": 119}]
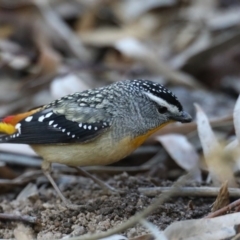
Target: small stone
[
  {"x": 78, "y": 231},
  {"x": 132, "y": 232},
  {"x": 57, "y": 224}
]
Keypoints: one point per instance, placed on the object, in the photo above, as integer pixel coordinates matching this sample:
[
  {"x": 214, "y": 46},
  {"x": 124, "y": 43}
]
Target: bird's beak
[{"x": 184, "y": 117}]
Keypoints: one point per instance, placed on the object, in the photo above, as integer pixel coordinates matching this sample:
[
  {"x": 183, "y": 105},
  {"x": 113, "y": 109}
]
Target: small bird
[{"x": 95, "y": 127}]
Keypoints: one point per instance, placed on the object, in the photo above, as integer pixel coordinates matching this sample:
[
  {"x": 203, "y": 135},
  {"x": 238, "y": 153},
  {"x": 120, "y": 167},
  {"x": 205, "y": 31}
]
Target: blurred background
[{"x": 52, "y": 48}]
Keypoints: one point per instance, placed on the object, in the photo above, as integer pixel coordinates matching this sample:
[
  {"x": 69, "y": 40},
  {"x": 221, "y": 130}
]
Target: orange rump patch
[{"x": 8, "y": 123}]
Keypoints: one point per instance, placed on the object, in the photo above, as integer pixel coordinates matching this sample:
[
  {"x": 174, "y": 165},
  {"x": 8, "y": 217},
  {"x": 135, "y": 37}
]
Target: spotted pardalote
[{"x": 95, "y": 127}]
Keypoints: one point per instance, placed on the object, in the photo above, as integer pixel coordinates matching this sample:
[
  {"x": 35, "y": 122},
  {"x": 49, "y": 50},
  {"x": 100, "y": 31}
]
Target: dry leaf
[
  {"x": 222, "y": 199},
  {"x": 206, "y": 135},
  {"x": 202, "y": 229},
  {"x": 219, "y": 166}
]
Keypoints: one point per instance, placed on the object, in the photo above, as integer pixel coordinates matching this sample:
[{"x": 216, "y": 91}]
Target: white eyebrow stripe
[{"x": 162, "y": 102}]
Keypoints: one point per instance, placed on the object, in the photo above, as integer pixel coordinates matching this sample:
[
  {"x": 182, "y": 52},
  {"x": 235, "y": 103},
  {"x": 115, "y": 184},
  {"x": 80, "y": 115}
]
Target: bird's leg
[
  {"x": 106, "y": 187},
  {"x": 46, "y": 166}
]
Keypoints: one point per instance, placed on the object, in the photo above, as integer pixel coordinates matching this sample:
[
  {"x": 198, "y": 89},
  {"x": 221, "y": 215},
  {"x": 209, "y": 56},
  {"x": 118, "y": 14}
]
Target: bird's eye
[{"x": 162, "y": 109}]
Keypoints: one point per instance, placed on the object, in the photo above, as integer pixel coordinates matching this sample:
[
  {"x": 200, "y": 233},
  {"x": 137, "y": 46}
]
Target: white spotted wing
[{"x": 46, "y": 126}]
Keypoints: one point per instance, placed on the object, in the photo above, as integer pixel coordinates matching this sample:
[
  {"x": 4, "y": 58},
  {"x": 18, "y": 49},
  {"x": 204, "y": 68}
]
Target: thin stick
[
  {"x": 224, "y": 209},
  {"x": 189, "y": 191},
  {"x": 22, "y": 218}
]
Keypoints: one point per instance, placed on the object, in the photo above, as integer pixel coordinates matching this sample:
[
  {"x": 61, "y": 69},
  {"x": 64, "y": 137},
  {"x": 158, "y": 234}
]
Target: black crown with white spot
[{"x": 158, "y": 90}]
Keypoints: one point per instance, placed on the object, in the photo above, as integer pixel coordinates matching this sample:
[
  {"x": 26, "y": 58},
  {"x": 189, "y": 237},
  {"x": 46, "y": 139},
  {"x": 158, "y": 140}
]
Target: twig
[
  {"x": 137, "y": 217},
  {"x": 189, "y": 191},
  {"x": 22, "y": 218},
  {"x": 224, "y": 209}
]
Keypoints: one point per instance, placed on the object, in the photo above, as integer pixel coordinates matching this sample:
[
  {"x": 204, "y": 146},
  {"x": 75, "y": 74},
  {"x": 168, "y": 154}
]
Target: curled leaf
[
  {"x": 219, "y": 166},
  {"x": 205, "y": 132},
  {"x": 222, "y": 199}
]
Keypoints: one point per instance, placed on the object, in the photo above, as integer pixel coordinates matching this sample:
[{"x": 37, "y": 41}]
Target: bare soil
[{"x": 102, "y": 211}]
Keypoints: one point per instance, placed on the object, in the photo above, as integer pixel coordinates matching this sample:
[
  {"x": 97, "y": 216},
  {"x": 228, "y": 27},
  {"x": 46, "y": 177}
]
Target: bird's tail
[
  {"x": 7, "y": 128},
  {"x": 8, "y": 125}
]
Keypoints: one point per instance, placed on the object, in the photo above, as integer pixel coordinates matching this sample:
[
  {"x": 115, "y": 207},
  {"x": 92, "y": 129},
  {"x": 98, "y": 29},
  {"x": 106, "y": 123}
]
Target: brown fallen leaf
[{"x": 222, "y": 199}]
